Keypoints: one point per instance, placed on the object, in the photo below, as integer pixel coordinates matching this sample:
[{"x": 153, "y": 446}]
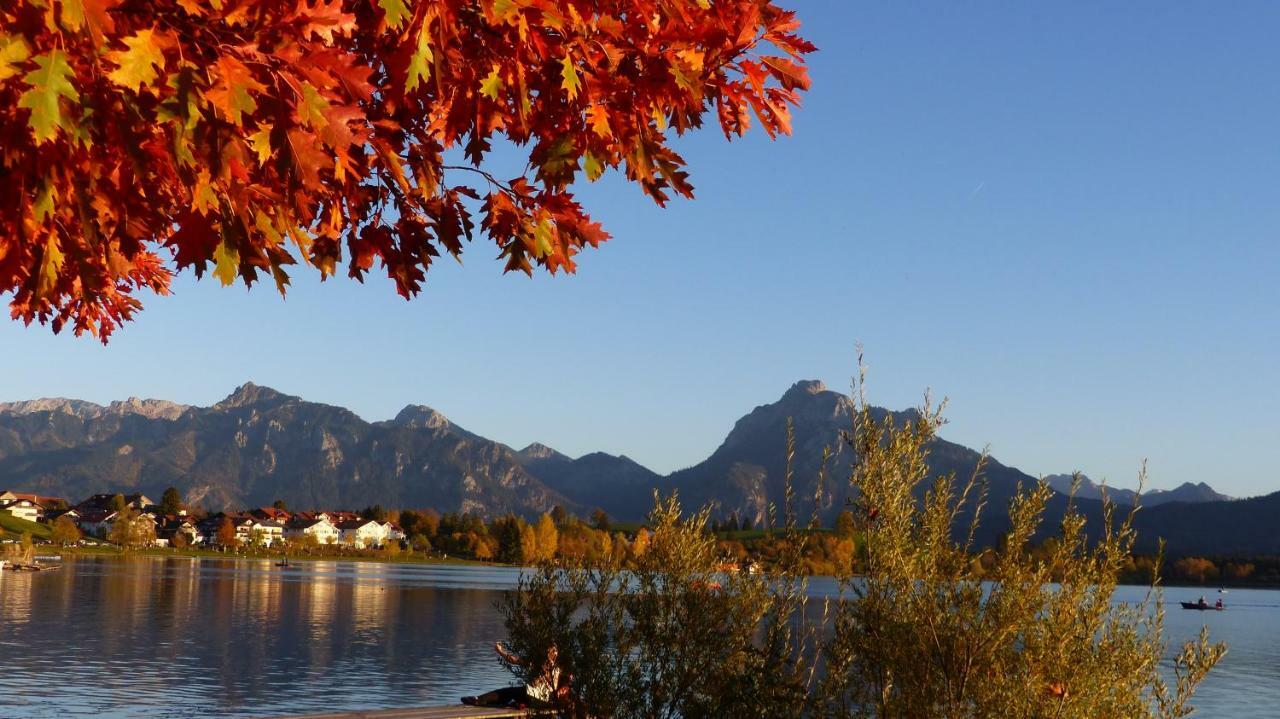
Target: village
[{"x": 135, "y": 520}]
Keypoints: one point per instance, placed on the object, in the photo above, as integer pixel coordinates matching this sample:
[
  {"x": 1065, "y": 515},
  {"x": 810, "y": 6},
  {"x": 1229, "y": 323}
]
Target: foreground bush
[{"x": 924, "y": 629}]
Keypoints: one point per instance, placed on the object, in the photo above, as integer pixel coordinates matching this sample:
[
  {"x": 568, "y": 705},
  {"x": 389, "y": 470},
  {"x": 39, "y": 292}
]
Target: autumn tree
[
  {"x": 600, "y": 520},
  {"x": 226, "y": 536},
  {"x": 1239, "y": 571},
  {"x": 559, "y": 515},
  {"x": 132, "y": 530},
  {"x": 1196, "y": 569},
  {"x": 171, "y": 501},
  {"x": 547, "y": 538},
  {"x": 242, "y": 137},
  {"x": 64, "y": 532},
  {"x": 528, "y": 543},
  {"x": 845, "y": 526}
]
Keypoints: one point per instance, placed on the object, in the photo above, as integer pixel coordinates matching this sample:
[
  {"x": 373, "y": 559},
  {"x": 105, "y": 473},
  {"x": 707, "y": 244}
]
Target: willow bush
[
  {"x": 926, "y": 627},
  {"x": 672, "y": 636}
]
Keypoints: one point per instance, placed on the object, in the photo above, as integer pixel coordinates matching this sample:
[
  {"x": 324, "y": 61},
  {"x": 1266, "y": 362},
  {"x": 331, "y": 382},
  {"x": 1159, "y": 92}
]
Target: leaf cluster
[{"x": 242, "y": 137}]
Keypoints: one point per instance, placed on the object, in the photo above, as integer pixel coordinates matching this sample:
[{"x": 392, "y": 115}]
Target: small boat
[{"x": 1202, "y": 607}]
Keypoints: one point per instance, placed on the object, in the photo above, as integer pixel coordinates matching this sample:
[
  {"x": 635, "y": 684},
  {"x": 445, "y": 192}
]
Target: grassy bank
[{"x": 13, "y": 527}]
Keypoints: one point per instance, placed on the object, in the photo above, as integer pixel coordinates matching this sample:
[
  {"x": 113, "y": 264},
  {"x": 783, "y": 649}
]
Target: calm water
[{"x": 187, "y": 638}]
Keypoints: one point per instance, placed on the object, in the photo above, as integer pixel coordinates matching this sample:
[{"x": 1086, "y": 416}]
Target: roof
[
  {"x": 41, "y": 500},
  {"x": 297, "y": 523},
  {"x": 356, "y": 523}
]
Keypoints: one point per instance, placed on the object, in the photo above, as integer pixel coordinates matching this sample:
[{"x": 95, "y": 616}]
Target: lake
[{"x": 178, "y": 637}]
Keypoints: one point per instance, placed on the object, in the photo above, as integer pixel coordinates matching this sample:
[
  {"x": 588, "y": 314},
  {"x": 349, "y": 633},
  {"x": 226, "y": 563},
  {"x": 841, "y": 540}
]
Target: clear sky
[{"x": 1065, "y": 219}]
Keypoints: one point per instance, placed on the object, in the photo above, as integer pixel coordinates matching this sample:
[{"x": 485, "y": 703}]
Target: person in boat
[
  {"x": 541, "y": 692},
  {"x": 1218, "y": 604},
  {"x": 1202, "y": 603}
]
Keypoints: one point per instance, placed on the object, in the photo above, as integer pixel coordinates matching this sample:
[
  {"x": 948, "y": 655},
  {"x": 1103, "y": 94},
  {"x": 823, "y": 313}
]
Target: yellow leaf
[
  {"x": 50, "y": 265},
  {"x": 13, "y": 52},
  {"x": 420, "y": 61},
  {"x": 228, "y": 263},
  {"x": 598, "y": 117},
  {"x": 312, "y": 107},
  {"x": 592, "y": 166},
  {"x": 260, "y": 141},
  {"x": 203, "y": 197},
  {"x": 396, "y": 12},
  {"x": 48, "y": 82},
  {"x": 569, "y": 75},
  {"x": 233, "y": 92},
  {"x": 43, "y": 206},
  {"x": 492, "y": 84},
  {"x": 138, "y": 65},
  {"x": 72, "y": 15},
  {"x": 542, "y": 235},
  {"x": 660, "y": 118},
  {"x": 267, "y": 227},
  {"x": 503, "y": 9}
]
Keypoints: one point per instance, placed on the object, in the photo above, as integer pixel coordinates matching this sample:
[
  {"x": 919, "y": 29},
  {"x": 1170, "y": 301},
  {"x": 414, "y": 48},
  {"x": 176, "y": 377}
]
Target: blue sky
[{"x": 1063, "y": 218}]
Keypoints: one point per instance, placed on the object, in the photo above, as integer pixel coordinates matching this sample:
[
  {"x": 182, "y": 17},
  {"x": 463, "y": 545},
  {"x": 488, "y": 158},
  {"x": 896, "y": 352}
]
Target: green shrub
[{"x": 927, "y": 627}]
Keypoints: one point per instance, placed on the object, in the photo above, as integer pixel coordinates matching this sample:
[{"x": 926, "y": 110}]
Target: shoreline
[{"x": 115, "y": 552}]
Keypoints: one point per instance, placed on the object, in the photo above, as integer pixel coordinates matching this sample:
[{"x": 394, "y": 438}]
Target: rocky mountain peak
[
  {"x": 538, "y": 450},
  {"x": 150, "y": 408},
  {"x": 249, "y": 394},
  {"x": 75, "y": 407},
  {"x": 419, "y": 416},
  {"x": 805, "y": 388}
]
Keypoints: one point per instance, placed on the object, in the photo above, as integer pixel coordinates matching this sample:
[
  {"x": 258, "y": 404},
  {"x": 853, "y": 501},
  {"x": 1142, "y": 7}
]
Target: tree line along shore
[{"x": 112, "y": 523}]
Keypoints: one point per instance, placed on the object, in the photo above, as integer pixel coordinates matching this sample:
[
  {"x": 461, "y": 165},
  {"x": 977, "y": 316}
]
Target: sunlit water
[{"x": 198, "y": 638}]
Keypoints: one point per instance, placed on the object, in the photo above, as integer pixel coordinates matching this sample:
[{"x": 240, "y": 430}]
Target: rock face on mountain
[{"x": 259, "y": 445}]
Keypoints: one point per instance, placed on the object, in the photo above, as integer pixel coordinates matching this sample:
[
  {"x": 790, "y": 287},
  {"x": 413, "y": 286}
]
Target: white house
[
  {"x": 267, "y": 531},
  {"x": 393, "y": 532},
  {"x": 174, "y": 525},
  {"x": 22, "y": 509},
  {"x": 363, "y": 533},
  {"x": 321, "y": 528}
]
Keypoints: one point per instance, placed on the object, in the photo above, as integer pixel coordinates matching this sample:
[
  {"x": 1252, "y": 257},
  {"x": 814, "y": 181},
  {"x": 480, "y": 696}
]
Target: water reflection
[
  {"x": 184, "y": 638},
  {"x": 175, "y": 637}
]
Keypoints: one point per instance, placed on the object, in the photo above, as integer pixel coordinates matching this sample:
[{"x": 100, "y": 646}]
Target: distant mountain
[
  {"x": 616, "y": 484},
  {"x": 746, "y": 473},
  {"x": 259, "y": 445},
  {"x": 1186, "y": 492}
]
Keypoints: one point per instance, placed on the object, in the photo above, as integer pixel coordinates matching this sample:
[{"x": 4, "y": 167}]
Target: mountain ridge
[{"x": 259, "y": 444}]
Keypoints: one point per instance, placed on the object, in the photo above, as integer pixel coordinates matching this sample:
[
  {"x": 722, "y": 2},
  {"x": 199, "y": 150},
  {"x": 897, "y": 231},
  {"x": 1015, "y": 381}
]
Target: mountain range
[{"x": 259, "y": 445}]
